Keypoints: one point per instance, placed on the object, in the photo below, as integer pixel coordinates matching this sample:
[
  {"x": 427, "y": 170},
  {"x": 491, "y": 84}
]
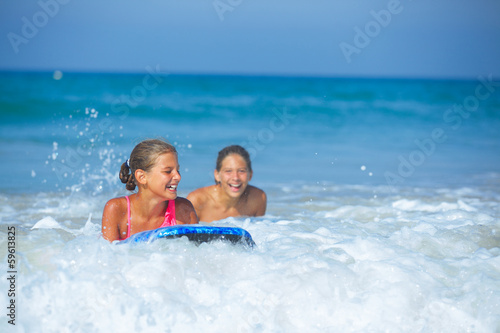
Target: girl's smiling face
[
  {"x": 164, "y": 176},
  {"x": 233, "y": 175}
]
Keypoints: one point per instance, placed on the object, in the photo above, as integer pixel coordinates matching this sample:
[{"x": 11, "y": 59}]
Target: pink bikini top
[{"x": 169, "y": 216}]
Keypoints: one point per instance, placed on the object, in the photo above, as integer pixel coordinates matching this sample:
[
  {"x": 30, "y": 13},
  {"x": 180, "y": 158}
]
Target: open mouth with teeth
[
  {"x": 234, "y": 187},
  {"x": 172, "y": 187}
]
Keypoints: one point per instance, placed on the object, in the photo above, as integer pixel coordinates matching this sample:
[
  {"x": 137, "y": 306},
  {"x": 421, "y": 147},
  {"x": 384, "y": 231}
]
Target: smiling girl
[
  {"x": 154, "y": 169},
  {"x": 231, "y": 195}
]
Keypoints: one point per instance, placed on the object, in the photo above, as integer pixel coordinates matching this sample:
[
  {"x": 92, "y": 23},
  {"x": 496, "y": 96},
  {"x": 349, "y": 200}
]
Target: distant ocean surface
[{"x": 383, "y": 204}]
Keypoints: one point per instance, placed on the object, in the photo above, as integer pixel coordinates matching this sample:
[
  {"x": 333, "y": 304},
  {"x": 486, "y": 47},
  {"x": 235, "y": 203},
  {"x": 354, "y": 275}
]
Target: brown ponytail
[{"x": 127, "y": 177}]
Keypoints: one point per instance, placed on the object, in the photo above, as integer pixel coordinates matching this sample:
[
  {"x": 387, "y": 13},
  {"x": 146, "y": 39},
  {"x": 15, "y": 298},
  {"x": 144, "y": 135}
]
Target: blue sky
[{"x": 389, "y": 38}]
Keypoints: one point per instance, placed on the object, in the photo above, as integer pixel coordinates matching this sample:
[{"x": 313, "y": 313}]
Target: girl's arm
[
  {"x": 184, "y": 211},
  {"x": 261, "y": 208},
  {"x": 257, "y": 201},
  {"x": 196, "y": 198},
  {"x": 110, "y": 218}
]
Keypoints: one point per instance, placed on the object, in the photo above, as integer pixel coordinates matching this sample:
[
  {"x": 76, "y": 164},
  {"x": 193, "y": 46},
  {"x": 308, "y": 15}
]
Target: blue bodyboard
[{"x": 195, "y": 233}]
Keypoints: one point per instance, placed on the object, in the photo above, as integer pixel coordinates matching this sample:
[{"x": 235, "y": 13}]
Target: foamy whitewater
[{"x": 375, "y": 223}]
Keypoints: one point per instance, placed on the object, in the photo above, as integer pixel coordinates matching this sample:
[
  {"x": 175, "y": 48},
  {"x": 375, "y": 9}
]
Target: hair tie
[{"x": 127, "y": 163}]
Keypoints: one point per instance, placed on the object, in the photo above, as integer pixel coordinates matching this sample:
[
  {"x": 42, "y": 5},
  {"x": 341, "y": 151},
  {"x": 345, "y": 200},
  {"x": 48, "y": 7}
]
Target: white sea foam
[{"x": 344, "y": 261}]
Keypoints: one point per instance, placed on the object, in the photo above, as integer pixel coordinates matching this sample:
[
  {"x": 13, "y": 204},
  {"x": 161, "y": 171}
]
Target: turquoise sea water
[
  {"x": 297, "y": 129},
  {"x": 383, "y": 210}
]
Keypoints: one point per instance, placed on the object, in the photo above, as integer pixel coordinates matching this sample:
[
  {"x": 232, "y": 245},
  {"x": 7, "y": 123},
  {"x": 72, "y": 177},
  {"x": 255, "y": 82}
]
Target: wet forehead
[
  {"x": 234, "y": 161},
  {"x": 167, "y": 160}
]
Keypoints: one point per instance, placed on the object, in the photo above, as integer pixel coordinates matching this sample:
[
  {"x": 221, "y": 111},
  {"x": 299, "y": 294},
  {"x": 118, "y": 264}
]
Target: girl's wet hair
[
  {"x": 234, "y": 149},
  {"x": 143, "y": 157}
]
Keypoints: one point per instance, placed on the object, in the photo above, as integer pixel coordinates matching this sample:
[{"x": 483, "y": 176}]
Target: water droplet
[{"x": 57, "y": 75}]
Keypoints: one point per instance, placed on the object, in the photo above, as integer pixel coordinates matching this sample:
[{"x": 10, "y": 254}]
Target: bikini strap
[
  {"x": 169, "y": 215},
  {"x": 172, "y": 212}
]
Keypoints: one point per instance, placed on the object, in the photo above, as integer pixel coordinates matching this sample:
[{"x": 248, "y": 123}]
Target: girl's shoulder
[
  {"x": 257, "y": 201},
  {"x": 201, "y": 194},
  {"x": 116, "y": 204},
  {"x": 180, "y": 201},
  {"x": 184, "y": 211},
  {"x": 256, "y": 192}
]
